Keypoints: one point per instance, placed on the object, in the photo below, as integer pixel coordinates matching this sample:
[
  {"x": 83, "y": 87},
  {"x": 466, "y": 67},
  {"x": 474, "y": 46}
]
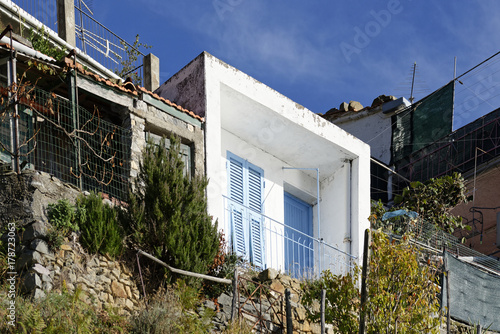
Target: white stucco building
[{"x": 264, "y": 153}]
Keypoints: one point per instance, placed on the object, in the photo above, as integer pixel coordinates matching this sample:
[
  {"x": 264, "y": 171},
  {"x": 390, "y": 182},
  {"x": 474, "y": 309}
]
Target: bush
[
  {"x": 173, "y": 312},
  {"x": 342, "y": 300},
  {"x": 62, "y": 216},
  {"x": 100, "y": 231},
  {"x": 60, "y": 313},
  {"x": 168, "y": 211},
  {"x": 223, "y": 266},
  {"x": 402, "y": 293}
]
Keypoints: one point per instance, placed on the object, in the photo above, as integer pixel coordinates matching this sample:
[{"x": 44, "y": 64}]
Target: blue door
[{"x": 299, "y": 247}]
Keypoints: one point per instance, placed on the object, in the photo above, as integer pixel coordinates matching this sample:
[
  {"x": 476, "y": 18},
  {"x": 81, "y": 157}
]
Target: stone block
[
  {"x": 30, "y": 282},
  {"x": 27, "y": 259},
  {"x": 103, "y": 279},
  {"x": 344, "y": 106},
  {"x": 116, "y": 273},
  {"x": 38, "y": 268},
  {"x": 93, "y": 262},
  {"x": 277, "y": 286},
  {"x": 39, "y": 294},
  {"x": 129, "y": 305},
  {"x": 40, "y": 246},
  {"x": 34, "y": 230},
  {"x": 128, "y": 291},
  {"x": 47, "y": 286},
  {"x": 66, "y": 247},
  {"x": 268, "y": 274},
  {"x": 355, "y": 106},
  {"x": 225, "y": 301},
  {"x": 118, "y": 290}
]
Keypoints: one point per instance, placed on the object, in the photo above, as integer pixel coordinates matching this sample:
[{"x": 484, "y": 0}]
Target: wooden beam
[{"x": 184, "y": 272}]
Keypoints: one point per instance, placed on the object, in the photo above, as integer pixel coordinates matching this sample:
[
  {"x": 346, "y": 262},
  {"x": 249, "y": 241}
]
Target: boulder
[
  {"x": 355, "y": 106},
  {"x": 344, "y": 106},
  {"x": 268, "y": 275}
]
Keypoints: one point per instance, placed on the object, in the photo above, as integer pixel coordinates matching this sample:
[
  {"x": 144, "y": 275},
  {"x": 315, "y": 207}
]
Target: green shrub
[
  {"x": 62, "y": 216},
  {"x": 173, "y": 311},
  {"x": 402, "y": 296},
  {"x": 100, "y": 231},
  {"x": 168, "y": 211},
  {"x": 60, "y": 313},
  {"x": 342, "y": 298}
]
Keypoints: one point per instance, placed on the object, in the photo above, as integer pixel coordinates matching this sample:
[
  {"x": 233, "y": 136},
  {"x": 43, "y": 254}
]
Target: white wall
[
  {"x": 256, "y": 123},
  {"x": 374, "y": 129}
]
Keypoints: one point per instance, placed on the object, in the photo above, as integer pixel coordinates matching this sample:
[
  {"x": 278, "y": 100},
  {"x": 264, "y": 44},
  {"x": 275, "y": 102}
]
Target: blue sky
[{"x": 321, "y": 53}]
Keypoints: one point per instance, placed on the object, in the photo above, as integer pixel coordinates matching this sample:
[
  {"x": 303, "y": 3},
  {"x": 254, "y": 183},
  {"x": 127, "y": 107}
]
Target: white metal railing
[{"x": 290, "y": 250}]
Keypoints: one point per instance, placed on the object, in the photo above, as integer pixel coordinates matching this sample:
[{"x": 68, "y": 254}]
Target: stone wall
[
  {"x": 23, "y": 201},
  {"x": 104, "y": 282}
]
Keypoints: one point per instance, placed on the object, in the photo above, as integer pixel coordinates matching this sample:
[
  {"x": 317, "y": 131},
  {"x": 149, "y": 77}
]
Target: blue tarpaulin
[{"x": 397, "y": 213}]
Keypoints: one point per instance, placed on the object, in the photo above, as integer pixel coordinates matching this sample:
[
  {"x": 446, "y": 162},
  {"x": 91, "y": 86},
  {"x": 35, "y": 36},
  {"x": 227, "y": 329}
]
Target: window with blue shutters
[{"x": 245, "y": 183}]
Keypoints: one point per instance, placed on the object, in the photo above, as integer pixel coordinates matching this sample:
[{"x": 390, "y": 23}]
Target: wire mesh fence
[
  {"x": 427, "y": 234},
  {"x": 462, "y": 150},
  {"x": 73, "y": 144}
]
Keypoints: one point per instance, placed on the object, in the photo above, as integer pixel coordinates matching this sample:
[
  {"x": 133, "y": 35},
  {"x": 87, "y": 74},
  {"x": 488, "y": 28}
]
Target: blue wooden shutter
[
  {"x": 245, "y": 193},
  {"x": 237, "y": 211},
  {"x": 255, "y": 217}
]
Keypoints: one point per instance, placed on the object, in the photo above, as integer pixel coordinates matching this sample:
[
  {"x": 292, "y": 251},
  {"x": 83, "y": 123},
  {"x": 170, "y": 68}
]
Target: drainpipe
[
  {"x": 12, "y": 98},
  {"x": 350, "y": 205}
]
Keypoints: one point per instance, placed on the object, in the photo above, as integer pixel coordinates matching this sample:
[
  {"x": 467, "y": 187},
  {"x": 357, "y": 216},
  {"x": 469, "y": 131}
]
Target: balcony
[{"x": 274, "y": 245}]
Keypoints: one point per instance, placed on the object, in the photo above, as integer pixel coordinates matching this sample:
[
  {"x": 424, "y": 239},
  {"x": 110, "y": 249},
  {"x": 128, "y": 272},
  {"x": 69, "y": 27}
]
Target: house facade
[
  {"x": 289, "y": 189},
  {"x": 77, "y": 120}
]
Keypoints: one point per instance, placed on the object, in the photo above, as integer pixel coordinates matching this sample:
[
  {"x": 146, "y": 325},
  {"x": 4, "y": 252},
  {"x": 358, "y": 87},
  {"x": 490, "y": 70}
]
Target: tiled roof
[{"x": 128, "y": 87}]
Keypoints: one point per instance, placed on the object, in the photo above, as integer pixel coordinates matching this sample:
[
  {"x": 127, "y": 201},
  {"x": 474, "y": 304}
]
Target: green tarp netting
[
  {"x": 474, "y": 293},
  {"x": 425, "y": 122}
]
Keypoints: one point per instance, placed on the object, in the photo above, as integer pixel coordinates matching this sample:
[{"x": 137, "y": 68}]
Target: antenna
[{"x": 413, "y": 82}]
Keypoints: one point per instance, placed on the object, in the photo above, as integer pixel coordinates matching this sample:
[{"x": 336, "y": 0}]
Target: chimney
[
  {"x": 151, "y": 72},
  {"x": 66, "y": 21}
]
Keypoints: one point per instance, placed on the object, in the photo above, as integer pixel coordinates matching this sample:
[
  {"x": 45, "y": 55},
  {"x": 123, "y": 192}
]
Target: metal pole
[
  {"x": 12, "y": 92},
  {"x": 289, "y": 321},
  {"x": 364, "y": 274},
  {"x": 413, "y": 82},
  {"x": 234, "y": 308},
  {"x": 323, "y": 297}
]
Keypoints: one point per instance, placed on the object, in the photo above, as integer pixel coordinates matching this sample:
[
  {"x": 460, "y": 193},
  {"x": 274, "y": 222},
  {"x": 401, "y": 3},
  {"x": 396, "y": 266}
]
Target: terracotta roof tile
[{"x": 69, "y": 63}]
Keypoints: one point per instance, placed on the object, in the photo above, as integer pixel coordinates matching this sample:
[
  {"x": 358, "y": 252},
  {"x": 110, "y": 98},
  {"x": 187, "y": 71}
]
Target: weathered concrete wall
[{"x": 24, "y": 198}]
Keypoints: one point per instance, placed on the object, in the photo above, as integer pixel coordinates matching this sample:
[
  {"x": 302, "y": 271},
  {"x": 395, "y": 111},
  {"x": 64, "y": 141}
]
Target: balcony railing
[
  {"x": 290, "y": 250},
  {"x": 92, "y": 37}
]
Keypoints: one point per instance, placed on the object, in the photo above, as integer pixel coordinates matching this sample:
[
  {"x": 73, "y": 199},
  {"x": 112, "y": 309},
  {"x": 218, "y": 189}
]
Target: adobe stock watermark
[
  {"x": 482, "y": 97},
  {"x": 11, "y": 274},
  {"x": 363, "y": 37},
  {"x": 223, "y": 6}
]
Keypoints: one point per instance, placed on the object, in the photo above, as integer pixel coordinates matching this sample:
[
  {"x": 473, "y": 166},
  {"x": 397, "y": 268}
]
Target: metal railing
[
  {"x": 292, "y": 251},
  {"x": 92, "y": 37},
  {"x": 100, "y": 43},
  {"x": 427, "y": 235}
]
